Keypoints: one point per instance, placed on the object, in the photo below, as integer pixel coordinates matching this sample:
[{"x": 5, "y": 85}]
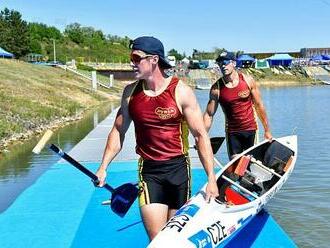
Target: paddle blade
[
  {"x": 123, "y": 197},
  {"x": 43, "y": 141},
  {"x": 216, "y": 142}
]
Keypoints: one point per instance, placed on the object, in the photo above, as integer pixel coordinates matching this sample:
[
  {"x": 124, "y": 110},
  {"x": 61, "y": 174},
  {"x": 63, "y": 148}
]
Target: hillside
[{"x": 36, "y": 97}]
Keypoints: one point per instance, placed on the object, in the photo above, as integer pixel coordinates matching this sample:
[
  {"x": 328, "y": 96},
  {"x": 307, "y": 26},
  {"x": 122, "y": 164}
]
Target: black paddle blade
[
  {"x": 216, "y": 142},
  {"x": 123, "y": 197}
]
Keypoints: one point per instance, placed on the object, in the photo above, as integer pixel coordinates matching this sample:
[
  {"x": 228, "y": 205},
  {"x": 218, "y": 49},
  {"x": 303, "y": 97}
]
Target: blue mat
[{"x": 63, "y": 209}]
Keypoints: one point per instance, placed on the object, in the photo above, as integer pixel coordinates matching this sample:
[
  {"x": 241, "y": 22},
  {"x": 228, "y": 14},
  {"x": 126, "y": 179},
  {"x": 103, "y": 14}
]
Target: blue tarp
[
  {"x": 245, "y": 57},
  {"x": 326, "y": 57},
  {"x": 245, "y": 60},
  {"x": 5, "y": 54},
  {"x": 282, "y": 59},
  {"x": 320, "y": 57},
  {"x": 317, "y": 57}
]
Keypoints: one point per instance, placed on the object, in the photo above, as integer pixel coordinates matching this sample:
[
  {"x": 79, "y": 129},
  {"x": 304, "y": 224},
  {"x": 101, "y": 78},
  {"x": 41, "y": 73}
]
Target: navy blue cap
[
  {"x": 153, "y": 46},
  {"x": 226, "y": 56}
]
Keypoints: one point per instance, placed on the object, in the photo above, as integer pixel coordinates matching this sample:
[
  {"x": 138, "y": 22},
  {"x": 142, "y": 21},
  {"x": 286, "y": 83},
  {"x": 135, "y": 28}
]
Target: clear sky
[{"x": 246, "y": 25}]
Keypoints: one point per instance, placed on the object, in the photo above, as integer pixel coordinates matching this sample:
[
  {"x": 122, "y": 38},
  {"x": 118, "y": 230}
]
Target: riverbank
[
  {"x": 35, "y": 98},
  {"x": 264, "y": 78},
  {"x": 284, "y": 83}
]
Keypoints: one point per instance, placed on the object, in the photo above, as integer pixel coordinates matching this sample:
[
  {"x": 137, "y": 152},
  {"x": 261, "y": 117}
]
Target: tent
[
  {"x": 282, "y": 59},
  {"x": 317, "y": 57},
  {"x": 245, "y": 60},
  {"x": 185, "y": 60},
  {"x": 5, "y": 54},
  {"x": 320, "y": 57},
  {"x": 326, "y": 57},
  {"x": 261, "y": 63}
]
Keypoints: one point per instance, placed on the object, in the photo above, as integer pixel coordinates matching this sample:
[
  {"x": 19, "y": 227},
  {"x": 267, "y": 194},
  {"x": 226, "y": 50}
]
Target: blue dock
[{"x": 63, "y": 209}]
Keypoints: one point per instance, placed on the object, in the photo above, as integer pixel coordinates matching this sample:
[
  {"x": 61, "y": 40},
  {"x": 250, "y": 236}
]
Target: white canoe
[{"x": 245, "y": 184}]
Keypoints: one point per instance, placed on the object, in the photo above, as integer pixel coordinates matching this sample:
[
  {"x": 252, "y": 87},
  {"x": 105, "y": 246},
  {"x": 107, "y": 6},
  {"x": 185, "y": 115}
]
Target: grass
[
  {"x": 267, "y": 74},
  {"x": 33, "y": 97}
]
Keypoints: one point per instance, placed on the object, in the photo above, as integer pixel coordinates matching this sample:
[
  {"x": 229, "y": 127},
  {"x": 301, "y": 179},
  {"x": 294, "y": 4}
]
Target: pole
[{"x": 54, "y": 50}]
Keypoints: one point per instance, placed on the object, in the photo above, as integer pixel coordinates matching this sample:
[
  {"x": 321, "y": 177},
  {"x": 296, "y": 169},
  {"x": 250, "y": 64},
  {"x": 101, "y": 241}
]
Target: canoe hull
[{"x": 214, "y": 224}]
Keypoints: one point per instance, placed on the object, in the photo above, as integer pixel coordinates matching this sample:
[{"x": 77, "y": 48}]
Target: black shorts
[
  {"x": 165, "y": 182},
  {"x": 238, "y": 142}
]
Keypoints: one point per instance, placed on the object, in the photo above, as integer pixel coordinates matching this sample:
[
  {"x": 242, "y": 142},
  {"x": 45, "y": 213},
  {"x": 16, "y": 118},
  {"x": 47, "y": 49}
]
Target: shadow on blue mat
[{"x": 248, "y": 235}]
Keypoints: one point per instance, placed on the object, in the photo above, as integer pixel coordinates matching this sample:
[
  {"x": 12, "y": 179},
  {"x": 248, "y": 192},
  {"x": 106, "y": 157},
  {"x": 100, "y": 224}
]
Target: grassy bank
[
  {"x": 263, "y": 77},
  {"x": 34, "y": 98}
]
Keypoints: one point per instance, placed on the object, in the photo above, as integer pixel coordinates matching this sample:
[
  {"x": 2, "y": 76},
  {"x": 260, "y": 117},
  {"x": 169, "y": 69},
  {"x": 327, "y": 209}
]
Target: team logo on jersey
[
  {"x": 244, "y": 93},
  {"x": 165, "y": 113}
]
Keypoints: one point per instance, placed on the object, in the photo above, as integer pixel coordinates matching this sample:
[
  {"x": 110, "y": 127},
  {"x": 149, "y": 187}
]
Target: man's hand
[
  {"x": 101, "y": 175},
  {"x": 211, "y": 189},
  {"x": 268, "y": 135}
]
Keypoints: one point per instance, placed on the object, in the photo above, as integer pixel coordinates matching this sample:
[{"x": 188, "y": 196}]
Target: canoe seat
[
  {"x": 242, "y": 165},
  {"x": 288, "y": 164},
  {"x": 234, "y": 197}
]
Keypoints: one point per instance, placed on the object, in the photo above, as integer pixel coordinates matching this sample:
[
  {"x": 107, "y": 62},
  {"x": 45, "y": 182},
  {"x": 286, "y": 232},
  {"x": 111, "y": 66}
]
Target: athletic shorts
[
  {"x": 238, "y": 142},
  {"x": 165, "y": 182}
]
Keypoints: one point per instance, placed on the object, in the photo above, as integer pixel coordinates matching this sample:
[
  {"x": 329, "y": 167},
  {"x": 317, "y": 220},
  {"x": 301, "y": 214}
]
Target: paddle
[
  {"x": 216, "y": 143},
  {"x": 121, "y": 198}
]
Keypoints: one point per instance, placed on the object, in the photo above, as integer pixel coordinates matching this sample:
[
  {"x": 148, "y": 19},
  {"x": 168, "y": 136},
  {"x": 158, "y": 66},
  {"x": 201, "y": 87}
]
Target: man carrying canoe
[
  {"x": 163, "y": 109},
  {"x": 239, "y": 97}
]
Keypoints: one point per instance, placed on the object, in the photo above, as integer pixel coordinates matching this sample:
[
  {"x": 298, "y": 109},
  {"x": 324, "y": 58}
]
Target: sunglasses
[
  {"x": 224, "y": 62},
  {"x": 136, "y": 59}
]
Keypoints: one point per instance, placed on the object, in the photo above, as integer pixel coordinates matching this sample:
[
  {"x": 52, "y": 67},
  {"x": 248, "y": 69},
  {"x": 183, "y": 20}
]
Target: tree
[
  {"x": 75, "y": 33},
  {"x": 41, "y": 34},
  {"x": 175, "y": 53},
  {"x": 40, "y": 31},
  {"x": 14, "y": 35}
]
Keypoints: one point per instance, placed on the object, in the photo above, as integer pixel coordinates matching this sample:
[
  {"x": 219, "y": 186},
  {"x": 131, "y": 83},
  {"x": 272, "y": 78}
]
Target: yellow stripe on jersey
[{"x": 184, "y": 132}]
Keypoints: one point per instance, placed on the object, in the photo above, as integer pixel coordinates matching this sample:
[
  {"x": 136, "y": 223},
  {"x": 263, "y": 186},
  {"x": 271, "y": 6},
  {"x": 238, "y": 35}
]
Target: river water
[
  {"x": 301, "y": 207},
  {"x": 20, "y": 168}
]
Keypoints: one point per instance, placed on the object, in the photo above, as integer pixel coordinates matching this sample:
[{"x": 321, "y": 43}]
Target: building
[{"x": 310, "y": 52}]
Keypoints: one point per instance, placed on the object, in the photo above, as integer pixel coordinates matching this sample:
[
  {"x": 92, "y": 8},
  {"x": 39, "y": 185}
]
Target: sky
[{"x": 241, "y": 25}]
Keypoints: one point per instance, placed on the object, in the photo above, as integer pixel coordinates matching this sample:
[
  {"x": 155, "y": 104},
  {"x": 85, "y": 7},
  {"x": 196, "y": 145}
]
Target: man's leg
[
  {"x": 154, "y": 218},
  {"x": 249, "y": 139},
  {"x": 234, "y": 145}
]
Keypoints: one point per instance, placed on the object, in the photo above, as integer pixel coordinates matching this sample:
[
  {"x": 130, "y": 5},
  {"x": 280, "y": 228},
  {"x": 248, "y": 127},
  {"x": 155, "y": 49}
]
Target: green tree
[
  {"x": 175, "y": 53},
  {"x": 35, "y": 46},
  {"x": 75, "y": 33},
  {"x": 39, "y": 31},
  {"x": 41, "y": 34},
  {"x": 14, "y": 35}
]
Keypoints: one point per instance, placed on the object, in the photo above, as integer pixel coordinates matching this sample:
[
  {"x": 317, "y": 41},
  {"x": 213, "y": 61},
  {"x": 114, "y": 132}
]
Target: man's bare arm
[
  {"x": 193, "y": 115},
  {"x": 117, "y": 135},
  {"x": 259, "y": 106},
  {"x": 211, "y": 107}
]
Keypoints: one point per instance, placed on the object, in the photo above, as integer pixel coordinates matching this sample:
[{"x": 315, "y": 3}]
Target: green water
[{"x": 20, "y": 168}]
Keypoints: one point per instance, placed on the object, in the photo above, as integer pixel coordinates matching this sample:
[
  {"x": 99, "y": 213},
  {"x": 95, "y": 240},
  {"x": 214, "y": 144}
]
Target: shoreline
[
  {"x": 8, "y": 142},
  {"x": 16, "y": 138},
  {"x": 284, "y": 83},
  {"x": 36, "y": 98}
]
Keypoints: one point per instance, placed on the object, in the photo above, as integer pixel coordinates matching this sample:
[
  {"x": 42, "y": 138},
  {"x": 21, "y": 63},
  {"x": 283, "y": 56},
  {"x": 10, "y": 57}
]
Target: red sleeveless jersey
[
  {"x": 160, "y": 129},
  {"x": 237, "y": 106}
]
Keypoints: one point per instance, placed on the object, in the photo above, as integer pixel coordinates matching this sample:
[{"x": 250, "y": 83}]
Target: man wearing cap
[
  {"x": 162, "y": 109},
  {"x": 239, "y": 98}
]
